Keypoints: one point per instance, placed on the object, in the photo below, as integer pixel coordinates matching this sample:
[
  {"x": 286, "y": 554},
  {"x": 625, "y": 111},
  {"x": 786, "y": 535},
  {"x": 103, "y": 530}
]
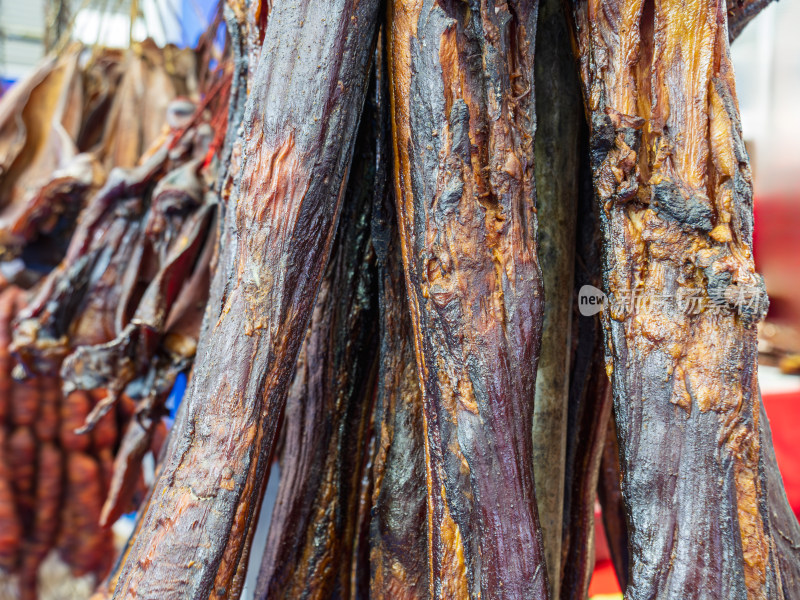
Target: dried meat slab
[
  {"x": 741, "y": 12},
  {"x": 128, "y": 237},
  {"x": 43, "y": 177},
  {"x": 559, "y": 118},
  {"x": 463, "y": 127},
  {"x": 298, "y": 130},
  {"x": 146, "y": 89},
  {"x": 313, "y": 530},
  {"x": 80, "y": 300},
  {"x": 398, "y": 537},
  {"x": 673, "y": 185},
  {"x": 182, "y": 228}
]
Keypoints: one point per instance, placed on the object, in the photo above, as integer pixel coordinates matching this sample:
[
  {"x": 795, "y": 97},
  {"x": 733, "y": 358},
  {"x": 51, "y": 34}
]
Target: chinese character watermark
[{"x": 690, "y": 300}]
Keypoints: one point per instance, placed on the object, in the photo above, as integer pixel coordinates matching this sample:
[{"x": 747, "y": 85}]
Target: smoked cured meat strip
[
  {"x": 315, "y": 520},
  {"x": 298, "y": 143},
  {"x": 589, "y": 401},
  {"x": 741, "y": 12},
  {"x": 673, "y": 186},
  {"x": 399, "y": 525},
  {"x": 463, "y": 125}
]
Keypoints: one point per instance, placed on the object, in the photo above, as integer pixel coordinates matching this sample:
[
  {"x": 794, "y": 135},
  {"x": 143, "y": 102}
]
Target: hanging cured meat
[
  {"x": 674, "y": 189},
  {"x": 463, "y": 127},
  {"x": 288, "y": 200},
  {"x": 326, "y": 422},
  {"x": 370, "y": 240}
]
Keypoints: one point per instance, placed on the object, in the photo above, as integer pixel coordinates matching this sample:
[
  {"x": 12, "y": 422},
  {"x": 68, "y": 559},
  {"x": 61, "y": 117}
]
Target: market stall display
[{"x": 329, "y": 222}]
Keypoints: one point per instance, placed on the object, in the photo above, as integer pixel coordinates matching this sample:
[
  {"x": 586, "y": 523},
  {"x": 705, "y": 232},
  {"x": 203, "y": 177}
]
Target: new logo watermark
[{"x": 591, "y": 300}]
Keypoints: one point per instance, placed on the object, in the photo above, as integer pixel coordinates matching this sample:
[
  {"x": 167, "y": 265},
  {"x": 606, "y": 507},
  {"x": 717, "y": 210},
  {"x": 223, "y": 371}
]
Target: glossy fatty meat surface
[
  {"x": 315, "y": 524},
  {"x": 673, "y": 184},
  {"x": 296, "y": 152},
  {"x": 463, "y": 126}
]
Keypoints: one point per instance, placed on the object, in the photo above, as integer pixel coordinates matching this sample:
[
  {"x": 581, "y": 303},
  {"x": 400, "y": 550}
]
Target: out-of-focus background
[
  {"x": 28, "y": 28},
  {"x": 767, "y": 63}
]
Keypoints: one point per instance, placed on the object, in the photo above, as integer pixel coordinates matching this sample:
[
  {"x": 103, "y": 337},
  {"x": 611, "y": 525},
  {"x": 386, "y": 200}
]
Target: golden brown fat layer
[
  {"x": 463, "y": 125},
  {"x": 673, "y": 181}
]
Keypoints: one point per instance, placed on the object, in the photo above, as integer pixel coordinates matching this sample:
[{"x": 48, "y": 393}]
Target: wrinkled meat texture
[
  {"x": 463, "y": 126},
  {"x": 309, "y": 550},
  {"x": 673, "y": 185},
  {"x": 398, "y": 537}
]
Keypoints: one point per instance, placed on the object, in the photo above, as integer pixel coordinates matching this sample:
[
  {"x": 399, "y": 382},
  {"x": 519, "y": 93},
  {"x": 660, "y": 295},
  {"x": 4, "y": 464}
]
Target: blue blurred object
[
  {"x": 196, "y": 16},
  {"x": 6, "y": 83},
  {"x": 176, "y": 396}
]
